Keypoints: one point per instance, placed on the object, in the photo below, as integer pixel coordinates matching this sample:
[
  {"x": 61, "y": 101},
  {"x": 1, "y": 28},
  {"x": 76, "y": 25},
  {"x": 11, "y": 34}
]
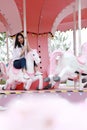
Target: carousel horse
[
  {"x": 16, "y": 75},
  {"x": 3, "y": 74},
  {"x": 67, "y": 65}
]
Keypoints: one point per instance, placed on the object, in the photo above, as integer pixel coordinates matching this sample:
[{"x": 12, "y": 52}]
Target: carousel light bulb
[
  {"x": 18, "y": 95},
  {"x": 5, "y": 96},
  {"x": 69, "y": 94},
  {"x": 80, "y": 93}
]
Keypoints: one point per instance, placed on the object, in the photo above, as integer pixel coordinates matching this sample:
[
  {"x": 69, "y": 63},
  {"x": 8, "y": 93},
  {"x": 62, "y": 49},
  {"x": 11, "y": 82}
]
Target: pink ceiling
[
  {"x": 43, "y": 16},
  {"x": 63, "y": 22},
  {"x": 70, "y": 18},
  {"x": 42, "y": 13},
  {"x": 9, "y": 16},
  {"x": 67, "y": 23}
]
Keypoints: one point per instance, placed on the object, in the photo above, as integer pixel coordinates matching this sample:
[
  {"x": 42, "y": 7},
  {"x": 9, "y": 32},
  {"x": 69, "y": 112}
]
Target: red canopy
[{"x": 43, "y": 16}]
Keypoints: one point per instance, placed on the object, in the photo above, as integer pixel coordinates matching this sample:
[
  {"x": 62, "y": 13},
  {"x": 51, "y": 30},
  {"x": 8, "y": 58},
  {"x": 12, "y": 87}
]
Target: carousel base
[
  {"x": 73, "y": 95},
  {"x": 65, "y": 108}
]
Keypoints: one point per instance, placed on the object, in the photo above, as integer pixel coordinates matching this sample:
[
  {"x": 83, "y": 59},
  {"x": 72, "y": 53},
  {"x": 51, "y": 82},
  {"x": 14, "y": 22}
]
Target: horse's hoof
[
  {"x": 85, "y": 86},
  {"x": 48, "y": 86},
  {"x": 3, "y": 88},
  {"x": 47, "y": 79},
  {"x": 84, "y": 80},
  {"x": 25, "y": 89},
  {"x": 38, "y": 88},
  {"x": 56, "y": 79},
  {"x": 12, "y": 89}
]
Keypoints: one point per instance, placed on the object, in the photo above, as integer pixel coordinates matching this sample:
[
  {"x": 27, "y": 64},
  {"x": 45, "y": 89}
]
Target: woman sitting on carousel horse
[{"x": 19, "y": 61}]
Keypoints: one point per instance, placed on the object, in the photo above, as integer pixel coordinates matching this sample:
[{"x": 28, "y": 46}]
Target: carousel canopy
[{"x": 43, "y": 16}]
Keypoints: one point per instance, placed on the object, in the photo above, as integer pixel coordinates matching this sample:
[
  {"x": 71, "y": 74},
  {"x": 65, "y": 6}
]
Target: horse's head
[
  {"x": 35, "y": 56},
  {"x": 55, "y": 54},
  {"x": 84, "y": 49},
  {"x": 30, "y": 58}
]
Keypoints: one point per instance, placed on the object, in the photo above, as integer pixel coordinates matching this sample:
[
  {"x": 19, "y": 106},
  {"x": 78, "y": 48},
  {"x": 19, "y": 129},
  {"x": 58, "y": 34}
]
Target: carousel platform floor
[
  {"x": 63, "y": 90},
  {"x": 69, "y": 93}
]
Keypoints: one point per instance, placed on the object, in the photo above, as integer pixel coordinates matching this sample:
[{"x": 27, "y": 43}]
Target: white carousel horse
[
  {"x": 67, "y": 65},
  {"x": 3, "y": 74},
  {"x": 16, "y": 75}
]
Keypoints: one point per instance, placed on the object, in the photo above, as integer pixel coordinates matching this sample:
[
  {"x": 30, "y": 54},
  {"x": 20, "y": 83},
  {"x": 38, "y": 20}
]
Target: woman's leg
[
  {"x": 24, "y": 68},
  {"x": 21, "y": 64},
  {"x": 17, "y": 64}
]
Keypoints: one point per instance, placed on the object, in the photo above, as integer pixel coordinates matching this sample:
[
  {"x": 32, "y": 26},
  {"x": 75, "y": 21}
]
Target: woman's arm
[
  {"x": 22, "y": 52},
  {"x": 17, "y": 53}
]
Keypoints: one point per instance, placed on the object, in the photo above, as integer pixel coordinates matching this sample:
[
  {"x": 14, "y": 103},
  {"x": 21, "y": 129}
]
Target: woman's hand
[
  {"x": 25, "y": 48},
  {"x": 23, "y": 51}
]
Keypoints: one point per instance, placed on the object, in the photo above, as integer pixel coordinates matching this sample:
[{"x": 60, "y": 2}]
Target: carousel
[{"x": 58, "y": 84}]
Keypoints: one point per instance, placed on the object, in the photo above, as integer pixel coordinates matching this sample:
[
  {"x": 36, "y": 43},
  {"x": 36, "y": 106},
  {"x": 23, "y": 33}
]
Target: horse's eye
[{"x": 33, "y": 54}]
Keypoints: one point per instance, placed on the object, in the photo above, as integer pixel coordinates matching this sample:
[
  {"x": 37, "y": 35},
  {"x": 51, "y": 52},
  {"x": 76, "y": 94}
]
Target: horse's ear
[{"x": 35, "y": 50}]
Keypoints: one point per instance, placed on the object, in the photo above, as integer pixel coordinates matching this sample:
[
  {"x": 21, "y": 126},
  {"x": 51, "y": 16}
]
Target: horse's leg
[
  {"x": 51, "y": 82},
  {"x": 40, "y": 81},
  {"x": 65, "y": 74},
  {"x": 13, "y": 85},
  {"x": 49, "y": 78},
  {"x": 28, "y": 84},
  {"x": 60, "y": 76},
  {"x": 9, "y": 82},
  {"x": 40, "y": 78}
]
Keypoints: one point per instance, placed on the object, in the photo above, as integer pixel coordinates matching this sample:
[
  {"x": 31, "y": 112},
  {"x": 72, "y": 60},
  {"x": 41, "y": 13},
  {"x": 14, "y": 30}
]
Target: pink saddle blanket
[{"x": 15, "y": 71}]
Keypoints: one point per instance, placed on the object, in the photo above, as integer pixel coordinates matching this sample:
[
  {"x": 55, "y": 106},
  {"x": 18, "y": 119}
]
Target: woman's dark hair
[{"x": 17, "y": 43}]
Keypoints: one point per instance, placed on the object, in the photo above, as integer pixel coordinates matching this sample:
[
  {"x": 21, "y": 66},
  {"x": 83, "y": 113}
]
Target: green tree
[
  {"x": 3, "y": 47},
  {"x": 59, "y": 41}
]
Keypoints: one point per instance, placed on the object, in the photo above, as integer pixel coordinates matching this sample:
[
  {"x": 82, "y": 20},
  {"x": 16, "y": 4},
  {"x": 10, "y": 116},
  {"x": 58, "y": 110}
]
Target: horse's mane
[
  {"x": 53, "y": 64},
  {"x": 55, "y": 53}
]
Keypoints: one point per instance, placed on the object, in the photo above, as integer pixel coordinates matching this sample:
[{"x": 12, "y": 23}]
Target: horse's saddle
[{"x": 15, "y": 71}]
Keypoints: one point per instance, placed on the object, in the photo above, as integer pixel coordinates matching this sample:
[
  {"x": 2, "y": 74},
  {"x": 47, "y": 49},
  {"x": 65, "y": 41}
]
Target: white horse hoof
[
  {"x": 47, "y": 79},
  {"x": 49, "y": 86},
  {"x": 3, "y": 88},
  {"x": 84, "y": 80},
  {"x": 56, "y": 79},
  {"x": 85, "y": 86}
]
